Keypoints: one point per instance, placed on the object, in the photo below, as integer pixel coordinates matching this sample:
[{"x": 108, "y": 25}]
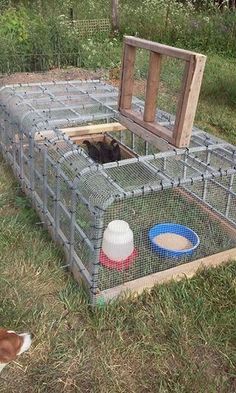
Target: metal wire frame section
[{"x": 59, "y": 176}]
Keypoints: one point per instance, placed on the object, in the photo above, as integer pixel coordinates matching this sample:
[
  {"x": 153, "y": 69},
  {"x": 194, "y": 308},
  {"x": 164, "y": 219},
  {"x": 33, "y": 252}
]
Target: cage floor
[{"x": 166, "y": 206}]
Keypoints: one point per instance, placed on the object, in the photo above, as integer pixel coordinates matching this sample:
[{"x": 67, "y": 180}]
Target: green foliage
[
  {"x": 99, "y": 54},
  {"x": 15, "y": 25},
  {"x": 178, "y": 24},
  {"x": 39, "y": 35}
]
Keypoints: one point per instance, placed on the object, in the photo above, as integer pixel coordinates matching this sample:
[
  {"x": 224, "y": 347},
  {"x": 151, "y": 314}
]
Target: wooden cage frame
[{"x": 190, "y": 89}]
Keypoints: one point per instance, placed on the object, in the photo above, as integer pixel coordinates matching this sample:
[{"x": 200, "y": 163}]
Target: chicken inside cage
[{"x": 103, "y": 151}]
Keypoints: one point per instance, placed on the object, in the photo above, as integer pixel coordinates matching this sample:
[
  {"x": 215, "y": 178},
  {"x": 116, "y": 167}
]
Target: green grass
[
  {"x": 180, "y": 338},
  {"x": 216, "y": 111}
]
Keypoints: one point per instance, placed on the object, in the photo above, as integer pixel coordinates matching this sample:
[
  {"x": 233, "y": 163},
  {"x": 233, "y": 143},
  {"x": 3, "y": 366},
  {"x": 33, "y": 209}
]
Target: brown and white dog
[{"x": 12, "y": 345}]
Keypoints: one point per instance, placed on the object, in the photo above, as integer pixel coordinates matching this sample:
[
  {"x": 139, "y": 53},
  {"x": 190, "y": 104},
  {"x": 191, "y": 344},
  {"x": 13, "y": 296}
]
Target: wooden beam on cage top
[{"x": 180, "y": 134}]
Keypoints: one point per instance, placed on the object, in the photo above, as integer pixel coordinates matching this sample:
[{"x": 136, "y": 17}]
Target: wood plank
[
  {"x": 93, "y": 129},
  {"x": 159, "y": 48},
  {"x": 188, "y": 101},
  {"x": 151, "y": 138},
  {"x": 93, "y": 138},
  {"x": 153, "y": 81},
  {"x": 177, "y": 273},
  {"x": 127, "y": 77},
  {"x": 155, "y": 128},
  {"x": 82, "y": 130}
]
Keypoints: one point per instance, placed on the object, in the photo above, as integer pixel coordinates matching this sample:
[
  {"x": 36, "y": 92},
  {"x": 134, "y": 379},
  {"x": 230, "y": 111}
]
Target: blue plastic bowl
[{"x": 177, "y": 229}]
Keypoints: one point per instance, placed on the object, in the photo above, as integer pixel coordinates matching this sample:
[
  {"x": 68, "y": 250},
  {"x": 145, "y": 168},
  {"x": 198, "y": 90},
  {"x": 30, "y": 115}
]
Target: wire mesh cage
[{"x": 42, "y": 130}]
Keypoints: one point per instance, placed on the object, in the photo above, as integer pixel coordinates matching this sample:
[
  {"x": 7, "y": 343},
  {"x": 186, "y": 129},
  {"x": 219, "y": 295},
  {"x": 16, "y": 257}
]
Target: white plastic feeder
[{"x": 118, "y": 241}]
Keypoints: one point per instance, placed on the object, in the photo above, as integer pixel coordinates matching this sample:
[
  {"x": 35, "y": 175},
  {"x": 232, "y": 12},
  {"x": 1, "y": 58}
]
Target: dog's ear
[
  {"x": 10, "y": 344},
  {"x": 7, "y": 351}
]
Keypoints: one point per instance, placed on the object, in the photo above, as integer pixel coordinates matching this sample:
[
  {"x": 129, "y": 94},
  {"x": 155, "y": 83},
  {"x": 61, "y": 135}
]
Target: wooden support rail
[{"x": 83, "y": 130}]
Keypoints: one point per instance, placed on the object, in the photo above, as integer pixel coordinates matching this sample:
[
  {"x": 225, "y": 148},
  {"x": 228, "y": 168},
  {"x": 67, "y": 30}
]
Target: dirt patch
[
  {"x": 70, "y": 73},
  {"x": 56, "y": 74},
  {"x": 73, "y": 73}
]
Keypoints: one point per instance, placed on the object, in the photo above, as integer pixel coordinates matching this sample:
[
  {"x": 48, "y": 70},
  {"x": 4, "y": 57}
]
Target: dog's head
[{"x": 12, "y": 345}]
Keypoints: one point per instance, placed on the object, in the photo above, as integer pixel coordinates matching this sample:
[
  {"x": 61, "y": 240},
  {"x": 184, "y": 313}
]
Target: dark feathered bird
[
  {"x": 93, "y": 151},
  {"x": 115, "y": 150},
  {"x": 105, "y": 152}
]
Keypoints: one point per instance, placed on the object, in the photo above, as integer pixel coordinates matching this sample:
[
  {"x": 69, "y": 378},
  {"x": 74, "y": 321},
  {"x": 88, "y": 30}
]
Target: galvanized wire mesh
[
  {"x": 77, "y": 197},
  {"x": 91, "y": 27},
  {"x": 168, "y": 96},
  {"x": 168, "y": 206}
]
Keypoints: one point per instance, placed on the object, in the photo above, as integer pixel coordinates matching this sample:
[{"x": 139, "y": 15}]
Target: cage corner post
[{"x": 99, "y": 226}]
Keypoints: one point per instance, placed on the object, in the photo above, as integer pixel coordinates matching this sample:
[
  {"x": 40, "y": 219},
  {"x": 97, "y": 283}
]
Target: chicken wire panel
[
  {"x": 125, "y": 137},
  {"x": 219, "y": 194},
  {"x": 140, "y": 74},
  {"x": 85, "y": 219},
  {"x": 101, "y": 183},
  {"x": 224, "y": 198},
  {"x": 39, "y": 186},
  {"x": 51, "y": 175},
  {"x": 48, "y": 105},
  {"x": 57, "y": 199},
  {"x": 84, "y": 233},
  {"x": 175, "y": 167},
  {"x": 172, "y": 74},
  {"x": 7, "y": 134},
  {"x": 134, "y": 175},
  {"x": 3, "y": 134},
  {"x": 162, "y": 169},
  {"x": 83, "y": 251},
  {"x": 215, "y": 159},
  {"x": 181, "y": 167},
  {"x": 96, "y": 188},
  {"x": 96, "y": 100},
  {"x": 64, "y": 159},
  {"x": 231, "y": 201},
  {"x": 17, "y": 146},
  {"x": 51, "y": 204},
  {"x": 26, "y": 151},
  {"x": 145, "y": 211},
  {"x": 216, "y": 196},
  {"x": 170, "y": 86},
  {"x": 39, "y": 152},
  {"x": 137, "y": 144},
  {"x": 58, "y": 147},
  {"x": 67, "y": 155},
  {"x": 64, "y": 221}
]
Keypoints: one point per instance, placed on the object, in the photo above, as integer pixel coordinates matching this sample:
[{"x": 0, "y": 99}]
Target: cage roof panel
[{"x": 42, "y": 110}]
